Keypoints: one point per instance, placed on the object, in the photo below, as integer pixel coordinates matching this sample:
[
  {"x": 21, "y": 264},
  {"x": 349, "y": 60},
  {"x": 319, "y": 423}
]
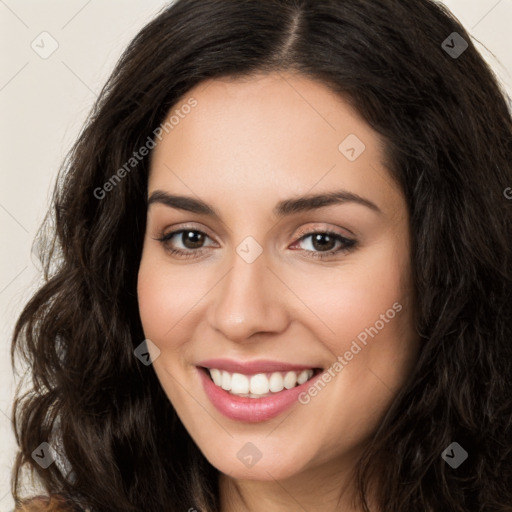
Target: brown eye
[
  {"x": 184, "y": 243},
  {"x": 323, "y": 242},
  {"x": 192, "y": 239}
]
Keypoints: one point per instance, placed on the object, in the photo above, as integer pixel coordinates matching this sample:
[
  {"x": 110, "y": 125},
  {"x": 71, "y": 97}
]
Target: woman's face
[{"x": 259, "y": 179}]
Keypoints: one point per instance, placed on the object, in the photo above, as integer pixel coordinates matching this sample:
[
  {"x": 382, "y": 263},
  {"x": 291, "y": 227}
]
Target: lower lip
[{"x": 252, "y": 410}]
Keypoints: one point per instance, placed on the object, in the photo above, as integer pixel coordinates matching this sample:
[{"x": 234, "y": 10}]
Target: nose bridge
[{"x": 246, "y": 300}]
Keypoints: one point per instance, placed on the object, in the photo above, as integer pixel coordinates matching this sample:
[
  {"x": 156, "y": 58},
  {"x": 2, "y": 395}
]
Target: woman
[{"x": 281, "y": 276}]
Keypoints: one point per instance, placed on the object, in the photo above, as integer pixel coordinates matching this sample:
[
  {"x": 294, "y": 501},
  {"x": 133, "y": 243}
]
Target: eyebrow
[{"x": 284, "y": 208}]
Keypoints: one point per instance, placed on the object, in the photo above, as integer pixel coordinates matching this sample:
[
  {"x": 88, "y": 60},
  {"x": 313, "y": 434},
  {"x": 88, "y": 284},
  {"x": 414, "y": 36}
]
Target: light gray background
[{"x": 44, "y": 102}]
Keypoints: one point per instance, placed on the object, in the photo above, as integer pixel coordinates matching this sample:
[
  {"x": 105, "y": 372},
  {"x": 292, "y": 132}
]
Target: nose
[{"x": 248, "y": 300}]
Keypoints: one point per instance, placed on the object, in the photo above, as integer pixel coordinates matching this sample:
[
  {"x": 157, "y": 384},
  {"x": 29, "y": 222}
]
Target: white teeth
[
  {"x": 239, "y": 384},
  {"x": 290, "y": 380},
  {"x": 216, "y": 376},
  {"x": 226, "y": 381},
  {"x": 303, "y": 377},
  {"x": 276, "y": 382},
  {"x": 259, "y": 385}
]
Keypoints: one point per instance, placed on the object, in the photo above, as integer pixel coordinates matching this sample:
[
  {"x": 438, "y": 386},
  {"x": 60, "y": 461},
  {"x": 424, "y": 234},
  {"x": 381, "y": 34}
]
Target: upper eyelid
[
  {"x": 313, "y": 230},
  {"x": 179, "y": 229}
]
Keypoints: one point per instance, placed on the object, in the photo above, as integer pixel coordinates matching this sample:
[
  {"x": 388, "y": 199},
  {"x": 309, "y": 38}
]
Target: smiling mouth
[{"x": 259, "y": 385}]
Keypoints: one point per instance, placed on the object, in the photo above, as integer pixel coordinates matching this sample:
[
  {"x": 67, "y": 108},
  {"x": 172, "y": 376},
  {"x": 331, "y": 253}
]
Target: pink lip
[
  {"x": 252, "y": 367},
  {"x": 251, "y": 410}
]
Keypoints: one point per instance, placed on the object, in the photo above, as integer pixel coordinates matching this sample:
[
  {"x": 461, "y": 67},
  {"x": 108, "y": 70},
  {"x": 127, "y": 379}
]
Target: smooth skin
[{"x": 248, "y": 145}]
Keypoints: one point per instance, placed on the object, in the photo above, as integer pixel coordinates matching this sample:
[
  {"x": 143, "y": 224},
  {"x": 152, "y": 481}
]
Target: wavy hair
[{"x": 447, "y": 131}]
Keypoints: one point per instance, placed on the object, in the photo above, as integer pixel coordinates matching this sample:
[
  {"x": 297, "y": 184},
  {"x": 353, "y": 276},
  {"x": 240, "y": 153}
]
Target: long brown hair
[
  {"x": 55, "y": 503},
  {"x": 448, "y": 136}
]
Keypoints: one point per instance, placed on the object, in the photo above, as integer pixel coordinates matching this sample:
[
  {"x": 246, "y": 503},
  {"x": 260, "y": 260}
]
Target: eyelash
[{"x": 347, "y": 244}]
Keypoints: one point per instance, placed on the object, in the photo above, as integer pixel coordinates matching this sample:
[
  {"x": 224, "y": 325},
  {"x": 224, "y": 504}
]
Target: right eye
[{"x": 192, "y": 241}]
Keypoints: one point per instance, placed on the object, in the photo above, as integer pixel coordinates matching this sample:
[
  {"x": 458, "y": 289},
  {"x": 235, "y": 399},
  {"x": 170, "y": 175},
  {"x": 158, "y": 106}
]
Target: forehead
[{"x": 270, "y": 135}]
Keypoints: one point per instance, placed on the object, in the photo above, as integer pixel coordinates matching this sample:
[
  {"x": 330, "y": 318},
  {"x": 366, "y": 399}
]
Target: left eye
[{"x": 325, "y": 242}]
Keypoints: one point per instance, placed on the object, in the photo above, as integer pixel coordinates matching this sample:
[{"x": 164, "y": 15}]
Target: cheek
[
  {"x": 165, "y": 296},
  {"x": 154, "y": 294},
  {"x": 351, "y": 298},
  {"x": 166, "y": 301}
]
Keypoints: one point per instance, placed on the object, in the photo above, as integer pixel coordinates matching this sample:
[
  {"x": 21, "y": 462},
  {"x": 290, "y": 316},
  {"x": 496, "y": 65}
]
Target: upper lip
[{"x": 253, "y": 367}]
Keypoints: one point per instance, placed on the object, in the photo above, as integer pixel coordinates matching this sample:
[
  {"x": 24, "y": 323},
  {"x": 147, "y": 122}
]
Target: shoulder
[{"x": 54, "y": 503}]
